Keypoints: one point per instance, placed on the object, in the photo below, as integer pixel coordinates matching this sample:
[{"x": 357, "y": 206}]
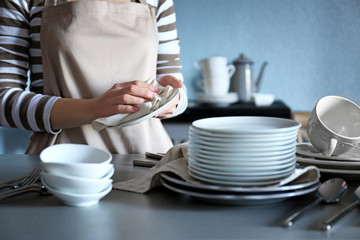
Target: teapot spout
[{"x": 260, "y": 76}]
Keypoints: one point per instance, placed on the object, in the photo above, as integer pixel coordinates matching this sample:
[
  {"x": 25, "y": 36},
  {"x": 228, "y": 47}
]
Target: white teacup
[
  {"x": 334, "y": 125},
  {"x": 215, "y": 86},
  {"x": 215, "y": 67},
  {"x": 216, "y": 75}
]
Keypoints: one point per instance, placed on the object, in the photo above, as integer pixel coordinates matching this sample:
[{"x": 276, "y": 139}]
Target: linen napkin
[
  {"x": 165, "y": 95},
  {"x": 176, "y": 161}
]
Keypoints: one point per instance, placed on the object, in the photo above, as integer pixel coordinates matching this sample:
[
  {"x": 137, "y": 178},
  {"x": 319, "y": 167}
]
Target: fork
[
  {"x": 33, "y": 177},
  {"x": 30, "y": 188}
]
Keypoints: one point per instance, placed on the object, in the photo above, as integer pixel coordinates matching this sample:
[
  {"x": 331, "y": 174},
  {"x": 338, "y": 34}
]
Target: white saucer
[
  {"x": 306, "y": 149},
  {"x": 223, "y": 100}
]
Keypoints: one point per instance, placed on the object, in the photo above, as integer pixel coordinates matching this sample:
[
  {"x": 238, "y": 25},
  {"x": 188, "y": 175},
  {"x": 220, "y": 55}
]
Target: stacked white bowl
[
  {"x": 242, "y": 151},
  {"x": 79, "y": 175}
]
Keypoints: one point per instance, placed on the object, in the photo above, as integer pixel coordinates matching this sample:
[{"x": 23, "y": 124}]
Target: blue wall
[{"x": 312, "y": 46}]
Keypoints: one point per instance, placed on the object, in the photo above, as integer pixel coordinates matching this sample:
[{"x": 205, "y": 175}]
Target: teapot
[{"x": 242, "y": 81}]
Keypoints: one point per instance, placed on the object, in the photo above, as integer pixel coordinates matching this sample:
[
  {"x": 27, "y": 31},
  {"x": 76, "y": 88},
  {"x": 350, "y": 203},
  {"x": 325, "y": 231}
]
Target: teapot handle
[{"x": 231, "y": 69}]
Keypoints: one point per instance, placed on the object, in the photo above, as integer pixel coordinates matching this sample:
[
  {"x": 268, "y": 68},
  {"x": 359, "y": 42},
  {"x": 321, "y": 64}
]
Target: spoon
[
  {"x": 329, "y": 192},
  {"x": 331, "y": 221}
]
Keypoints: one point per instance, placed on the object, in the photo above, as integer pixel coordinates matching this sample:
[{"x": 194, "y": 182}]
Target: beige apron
[{"x": 87, "y": 47}]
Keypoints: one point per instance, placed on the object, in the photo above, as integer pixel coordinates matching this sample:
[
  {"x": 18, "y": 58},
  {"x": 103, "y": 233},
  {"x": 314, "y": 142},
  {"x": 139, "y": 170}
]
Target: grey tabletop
[{"x": 159, "y": 214}]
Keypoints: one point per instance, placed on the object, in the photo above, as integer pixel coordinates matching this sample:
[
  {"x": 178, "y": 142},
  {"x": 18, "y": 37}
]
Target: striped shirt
[{"x": 21, "y": 66}]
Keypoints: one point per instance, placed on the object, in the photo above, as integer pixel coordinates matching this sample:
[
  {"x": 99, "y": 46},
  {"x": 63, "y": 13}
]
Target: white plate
[
  {"x": 239, "y": 190},
  {"x": 242, "y": 171},
  {"x": 150, "y": 115},
  {"x": 194, "y": 151},
  {"x": 243, "y": 142},
  {"x": 237, "y": 199},
  {"x": 257, "y": 137},
  {"x": 240, "y": 148},
  {"x": 247, "y": 125},
  {"x": 240, "y": 159},
  {"x": 341, "y": 172},
  {"x": 239, "y": 181},
  {"x": 350, "y": 165},
  {"x": 243, "y": 162},
  {"x": 306, "y": 149},
  {"x": 232, "y": 167}
]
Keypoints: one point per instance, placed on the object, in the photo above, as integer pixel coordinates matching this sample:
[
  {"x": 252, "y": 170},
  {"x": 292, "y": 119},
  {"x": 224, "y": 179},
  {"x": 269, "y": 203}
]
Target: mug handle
[
  {"x": 197, "y": 65},
  {"x": 200, "y": 84},
  {"x": 330, "y": 148},
  {"x": 231, "y": 69}
]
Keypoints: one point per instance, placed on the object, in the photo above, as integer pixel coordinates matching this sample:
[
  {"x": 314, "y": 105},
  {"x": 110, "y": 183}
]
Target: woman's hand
[
  {"x": 124, "y": 98},
  {"x": 121, "y": 98},
  {"x": 174, "y": 82}
]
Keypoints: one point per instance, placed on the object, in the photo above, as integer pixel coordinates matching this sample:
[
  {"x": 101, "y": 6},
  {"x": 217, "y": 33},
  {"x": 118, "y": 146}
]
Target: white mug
[
  {"x": 216, "y": 75},
  {"x": 334, "y": 125}
]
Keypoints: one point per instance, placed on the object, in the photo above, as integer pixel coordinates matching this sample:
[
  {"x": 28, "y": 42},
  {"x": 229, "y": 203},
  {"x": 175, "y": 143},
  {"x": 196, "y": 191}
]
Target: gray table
[{"x": 159, "y": 214}]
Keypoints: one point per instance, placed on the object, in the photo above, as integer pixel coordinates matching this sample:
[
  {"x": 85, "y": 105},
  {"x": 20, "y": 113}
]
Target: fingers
[
  {"x": 170, "y": 110},
  {"x": 170, "y": 80},
  {"x": 133, "y": 93}
]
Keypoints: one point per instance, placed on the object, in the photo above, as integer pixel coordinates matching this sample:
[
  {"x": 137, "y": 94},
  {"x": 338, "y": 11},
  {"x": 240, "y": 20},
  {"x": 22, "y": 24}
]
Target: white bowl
[
  {"x": 79, "y": 200},
  {"x": 79, "y": 185},
  {"x": 76, "y": 160},
  {"x": 262, "y": 99},
  {"x": 85, "y": 170}
]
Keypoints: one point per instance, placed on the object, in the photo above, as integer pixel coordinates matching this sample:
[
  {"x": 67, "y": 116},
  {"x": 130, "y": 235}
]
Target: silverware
[
  {"x": 33, "y": 177},
  {"x": 30, "y": 188},
  {"x": 151, "y": 159},
  {"x": 330, "y": 191},
  {"x": 327, "y": 225}
]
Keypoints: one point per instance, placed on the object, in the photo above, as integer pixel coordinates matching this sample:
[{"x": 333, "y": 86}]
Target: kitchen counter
[{"x": 159, "y": 214}]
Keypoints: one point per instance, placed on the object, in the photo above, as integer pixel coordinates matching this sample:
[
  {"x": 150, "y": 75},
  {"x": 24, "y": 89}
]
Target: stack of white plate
[
  {"x": 242, "y": 151},
  {"x": 346, "y": 165}
]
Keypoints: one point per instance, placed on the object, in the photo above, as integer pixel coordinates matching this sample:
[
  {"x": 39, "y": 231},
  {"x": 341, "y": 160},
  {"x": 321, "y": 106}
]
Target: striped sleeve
[
  {"x": 19, "y": 52},
  {"x": 168, "y": 62}
]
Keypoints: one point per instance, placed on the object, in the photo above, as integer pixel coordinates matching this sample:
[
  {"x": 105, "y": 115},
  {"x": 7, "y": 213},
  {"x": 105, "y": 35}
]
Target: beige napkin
[
  {"x": 165, "y": 95},
  {"x": 176, "y": 161}
]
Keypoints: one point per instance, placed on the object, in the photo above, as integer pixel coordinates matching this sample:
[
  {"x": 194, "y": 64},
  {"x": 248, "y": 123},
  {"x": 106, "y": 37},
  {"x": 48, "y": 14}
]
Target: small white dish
[
  {"x": 222, "y": 100},
  {"x": 263, "y": 99},
  {"x": 79, "y": 200},
  {"x": 77, "y": 185}
]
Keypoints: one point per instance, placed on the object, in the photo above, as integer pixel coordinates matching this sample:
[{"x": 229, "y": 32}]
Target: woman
[{"x": 93, "y": 62}]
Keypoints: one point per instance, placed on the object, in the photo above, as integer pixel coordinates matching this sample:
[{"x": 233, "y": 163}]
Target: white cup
[
  {"x": 334, "y": 125},
  {"x": 216, "y": 75}
]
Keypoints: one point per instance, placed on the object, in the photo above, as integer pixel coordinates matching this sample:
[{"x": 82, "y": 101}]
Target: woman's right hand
[{"x": 121, "y": 98}]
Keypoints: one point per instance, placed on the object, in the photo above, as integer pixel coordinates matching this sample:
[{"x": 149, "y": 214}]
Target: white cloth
[{"x": 165, "y": 95}]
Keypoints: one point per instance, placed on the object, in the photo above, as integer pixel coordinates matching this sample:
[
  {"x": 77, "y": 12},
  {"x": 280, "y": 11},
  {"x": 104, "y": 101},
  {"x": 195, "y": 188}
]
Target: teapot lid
[{"x": 243, "y": 60}]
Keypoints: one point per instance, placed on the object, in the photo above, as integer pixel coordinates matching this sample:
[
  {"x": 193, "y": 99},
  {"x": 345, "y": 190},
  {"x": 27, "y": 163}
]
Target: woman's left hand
[{"x": 174, "y": 82}]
